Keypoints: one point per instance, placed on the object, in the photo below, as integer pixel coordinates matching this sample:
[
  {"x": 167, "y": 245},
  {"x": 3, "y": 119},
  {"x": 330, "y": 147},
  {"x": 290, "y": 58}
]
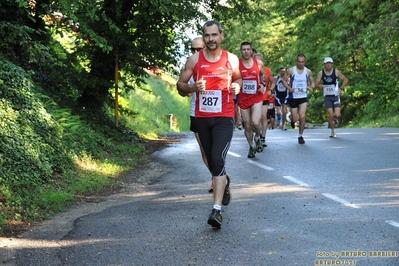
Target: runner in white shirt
[{"x": 300, "y": 81}]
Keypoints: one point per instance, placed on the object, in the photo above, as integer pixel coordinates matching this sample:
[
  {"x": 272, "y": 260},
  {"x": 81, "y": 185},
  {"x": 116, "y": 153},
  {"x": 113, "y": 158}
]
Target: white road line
[
  {"x": 393, "y": 223},
  {"x": 234, "y": 154},
  {"x": 252, "y": 162},
  {"x": 339, "y": 200},
  {"x": 303, "y": 184},
  {"x": 260, "y": 165},
  {"x": 296, "y": 181},
  {"x": 327, "y": 195}
]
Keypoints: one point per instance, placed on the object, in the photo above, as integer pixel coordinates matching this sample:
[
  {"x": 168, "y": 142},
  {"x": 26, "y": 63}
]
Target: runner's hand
[
  {"x": 201, "y": 84},
  {"x": 235, "y": 88}
]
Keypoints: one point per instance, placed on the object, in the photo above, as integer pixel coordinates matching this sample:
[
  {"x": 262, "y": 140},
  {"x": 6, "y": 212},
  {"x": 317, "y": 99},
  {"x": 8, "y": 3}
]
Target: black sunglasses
[{"x": 193, "y": 49}]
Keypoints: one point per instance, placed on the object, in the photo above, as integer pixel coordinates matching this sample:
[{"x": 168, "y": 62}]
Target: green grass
[
  {"x": 154, "y": 103},
  {"x": 381, "y": 121}
]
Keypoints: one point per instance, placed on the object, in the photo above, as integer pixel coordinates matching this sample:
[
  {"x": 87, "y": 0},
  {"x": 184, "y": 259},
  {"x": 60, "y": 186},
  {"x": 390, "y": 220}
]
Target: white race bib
[
  {"x": 300, "y": 90},
  {"x": 330, "y": 90},
  {"x": 210, "y": 101},
  {"x": 249, "y": 86},
  {"x": 280, "y": 87}
]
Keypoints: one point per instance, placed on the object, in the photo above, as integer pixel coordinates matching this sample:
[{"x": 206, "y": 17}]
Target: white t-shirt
[{"x": 193, "y": 98}]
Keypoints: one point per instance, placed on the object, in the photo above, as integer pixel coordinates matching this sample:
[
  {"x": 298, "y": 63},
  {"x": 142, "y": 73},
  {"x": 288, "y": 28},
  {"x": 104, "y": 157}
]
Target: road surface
[{"x": 327, "y": 202}]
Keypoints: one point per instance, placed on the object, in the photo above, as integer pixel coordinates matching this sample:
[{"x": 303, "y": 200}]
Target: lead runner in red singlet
[{"x": 217, "y": 79}]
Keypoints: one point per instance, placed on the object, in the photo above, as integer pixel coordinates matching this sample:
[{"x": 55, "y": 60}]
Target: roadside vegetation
[
  {"x": 59, "y": 138},
  {"x": 51, "y": 158}
]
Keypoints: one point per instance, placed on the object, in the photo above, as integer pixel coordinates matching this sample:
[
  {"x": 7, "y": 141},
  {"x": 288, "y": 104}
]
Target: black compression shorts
[{"x": 215, "y": 135}]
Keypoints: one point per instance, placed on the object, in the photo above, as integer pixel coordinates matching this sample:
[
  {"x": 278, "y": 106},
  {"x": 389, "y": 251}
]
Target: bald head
[{"x": 197, "y": 44}]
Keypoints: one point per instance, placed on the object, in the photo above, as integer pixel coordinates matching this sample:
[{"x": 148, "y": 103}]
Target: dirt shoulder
[{"x": 136, "y": 175}]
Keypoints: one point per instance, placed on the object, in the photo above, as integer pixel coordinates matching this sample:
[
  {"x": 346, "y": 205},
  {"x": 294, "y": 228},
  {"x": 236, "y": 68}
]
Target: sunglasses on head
[{"x": 193, "y": 49}]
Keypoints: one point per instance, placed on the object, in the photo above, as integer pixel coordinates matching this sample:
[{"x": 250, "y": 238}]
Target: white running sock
[{"x": 217, "y": 207}]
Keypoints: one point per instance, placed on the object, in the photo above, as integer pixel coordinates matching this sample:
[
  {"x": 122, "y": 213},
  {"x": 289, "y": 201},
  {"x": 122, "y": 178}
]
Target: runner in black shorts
[
  {"x": 281, "y": 98},
  {"x": 301, "y": 81},
  {"x": 217, "y": 79}
]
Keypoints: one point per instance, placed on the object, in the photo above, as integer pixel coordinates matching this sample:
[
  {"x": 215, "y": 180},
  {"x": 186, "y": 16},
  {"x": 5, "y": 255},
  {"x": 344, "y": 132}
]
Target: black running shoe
[
  {"x": 293, "y": 124},
  {"x": 259, "y": 146},
  {"x": 215, "y": 218},
  {"x": 301, "y": 140},
  {"x": 251, "y": 153},
  {"x": 227, "y": 193},
  {"x": 263, "y": 141}
]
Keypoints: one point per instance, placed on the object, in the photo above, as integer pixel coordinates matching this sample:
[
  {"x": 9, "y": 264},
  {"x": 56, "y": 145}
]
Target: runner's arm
[
  {"x": 262, "y": 75},
  {"x": 310, "y": 81},
  {"x": 318, "y": 79},
  {"x": 286, "y": 79},
  {"x": 344, "y": 79},
  {"x": 272, "y": 81},
  {"x": 186, "y": 72},
  {"x": 236, "y": 83}
]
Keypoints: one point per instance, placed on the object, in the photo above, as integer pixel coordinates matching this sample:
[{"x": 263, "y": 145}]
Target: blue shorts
[
  {"x": 280, "y": 100},
  {"x": 332, "y": 101}
]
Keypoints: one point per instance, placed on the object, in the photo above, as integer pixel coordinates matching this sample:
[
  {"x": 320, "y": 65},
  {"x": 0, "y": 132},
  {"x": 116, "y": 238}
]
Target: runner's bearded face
[{"x": 212, "y": 37}]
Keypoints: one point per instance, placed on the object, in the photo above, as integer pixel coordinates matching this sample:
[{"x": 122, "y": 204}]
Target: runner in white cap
[{"x": 331, "y": 90}]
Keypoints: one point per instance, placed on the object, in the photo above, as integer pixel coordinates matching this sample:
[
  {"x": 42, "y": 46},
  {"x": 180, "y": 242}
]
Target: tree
[{"x": 144, "y": 34}]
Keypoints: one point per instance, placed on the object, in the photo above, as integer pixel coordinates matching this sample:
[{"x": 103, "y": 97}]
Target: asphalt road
[{"x": 328, "y": 202}]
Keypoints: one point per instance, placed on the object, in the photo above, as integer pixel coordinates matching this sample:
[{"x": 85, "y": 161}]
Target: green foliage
[
  {"x": 31, "y": 139},
  {"x": 31, "y": 148},
  {"x": 363, "y": 45},
  {"x": 136, "y": 34},
  {"x": 157, "y": 100},
  {"x": 41, "y": 143}
]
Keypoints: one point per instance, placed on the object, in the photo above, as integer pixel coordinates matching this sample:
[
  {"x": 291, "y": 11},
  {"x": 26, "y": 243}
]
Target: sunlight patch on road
[
  {"x": 23, "y": 243},
  {"x": 267, "y": 188}
]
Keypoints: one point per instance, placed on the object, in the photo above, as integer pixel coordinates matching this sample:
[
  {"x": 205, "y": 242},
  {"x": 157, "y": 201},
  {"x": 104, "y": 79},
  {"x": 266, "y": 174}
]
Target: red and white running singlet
[
  {"x": 250, "y": 84},
  {"x": 216, "y": 100},
  {"x": 268, "y": 76}
]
